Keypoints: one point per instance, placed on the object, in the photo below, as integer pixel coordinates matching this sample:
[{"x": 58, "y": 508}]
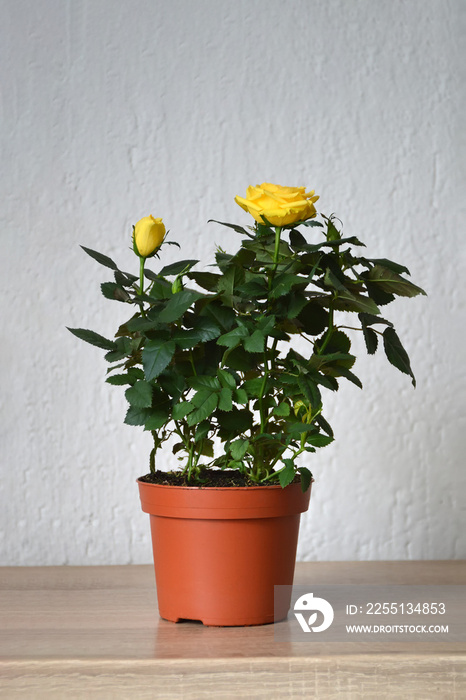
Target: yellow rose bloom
[
  {"x": 281, "y": 206},
  {"x": 148, "y": 235}
]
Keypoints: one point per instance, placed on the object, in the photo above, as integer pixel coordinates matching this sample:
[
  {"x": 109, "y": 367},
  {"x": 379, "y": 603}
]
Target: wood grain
[{"x": 81, "y": 632}]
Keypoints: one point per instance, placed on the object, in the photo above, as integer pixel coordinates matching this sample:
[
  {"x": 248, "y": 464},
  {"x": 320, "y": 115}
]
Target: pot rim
[{"x": 139, "y": 480}]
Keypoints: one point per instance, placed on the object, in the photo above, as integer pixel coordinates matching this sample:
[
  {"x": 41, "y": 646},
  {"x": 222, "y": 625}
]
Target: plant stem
[
  {"x": 141, "y": 282},
  {"x": 141, "y": 275},
  {"x": 328, "y": 335}
]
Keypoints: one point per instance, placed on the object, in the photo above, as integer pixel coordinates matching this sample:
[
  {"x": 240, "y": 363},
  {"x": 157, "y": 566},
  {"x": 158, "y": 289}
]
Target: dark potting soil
[{"x": 209, "y": 477}]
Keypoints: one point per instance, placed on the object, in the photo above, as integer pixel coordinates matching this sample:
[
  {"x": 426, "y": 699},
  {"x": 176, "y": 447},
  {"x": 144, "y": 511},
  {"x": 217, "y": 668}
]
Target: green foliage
[{"x": 217, "y": 369}]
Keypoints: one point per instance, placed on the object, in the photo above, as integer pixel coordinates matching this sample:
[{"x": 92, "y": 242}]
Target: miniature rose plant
[{"x": 210, "y": 358}]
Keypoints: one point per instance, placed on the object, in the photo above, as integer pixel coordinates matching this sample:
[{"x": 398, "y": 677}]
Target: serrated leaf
[
  {"x": 306, "y": 478},
  {"x": 100, "y": 258},
  {"x": 206, "y": 403},
  {"x": 93, "y": 338},
  {"x": 310, "y": 390},
  {"x": 226, "y": 379},
  {"x": 140, "y": 394},
  {"x": 206, "y": 280},
  {"x": 233, "y": 337},
  {"x": 392, "y": 283},
  {"x": 157, "y": 355},
  {"x": 201, "y": 430},
  {"x": 136, "y": 415},
  {"x": 225, "y": 401},
  {"x": 119, "y": 379},
  {"x": 283, "y": 283},
  {"x": 238, "y": 449},
  {"x": 177, "y": 268},
  {"x": 237, "y": 420},
  {"x": 345, "y": 372},
  {"x": 388, "y": 264},
  {"x": 177, "y": 305},
  {"x": 319, "y": 440},
  {"x": 322, "y": 423},
  {"x": 181, "y": 410},
  {"x": 156, "y": 419},
  {"x": 235, "y": 227},
  {"x": 204, "y": 382},
  {"x": 396, "y": 354},
  {"x": 241, "y": 396},
  {"x": 114, "y": 291},
  {"x": 283, "y": 409},
  {"x": 287, "y": 474},
  {"x": 254, "y": 342},
  {"x": 253, "y": 386},
  {"x": 371, "y": 339}
]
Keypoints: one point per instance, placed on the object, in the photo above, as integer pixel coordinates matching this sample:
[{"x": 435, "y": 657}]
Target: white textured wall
[{"x": 111, "y": 110}]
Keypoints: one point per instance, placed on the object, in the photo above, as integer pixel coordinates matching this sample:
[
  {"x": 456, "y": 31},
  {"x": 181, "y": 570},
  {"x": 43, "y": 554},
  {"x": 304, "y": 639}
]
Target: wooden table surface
[{"x": 94, "y": 632}]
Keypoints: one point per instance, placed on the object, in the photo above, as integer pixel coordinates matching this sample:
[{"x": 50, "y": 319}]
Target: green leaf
[
  {"x": 287, "y": 475},
  {"x": 202, "y": 430},
  {"x": 177, "y": 305},
  {"x": 224, "y": 316},
  {"x": 310, "y": 391},
  {"x": 180, "y": 410},
  {"x": 206, "y": 280},
  {"x": 119, "y": 379},
  {"x": 345, "y": 372},
  {"x": 237, "y": 420},
  {"x": 396, "y": 354},
  {"x": 157, "y": 355},
  {"x": 333, "y": 234},
  {"x": 393, "y": 283},
  {"x": 114, "y": 291},
  {"x": 235, "y": 227},
  {"x": 177, "y": 268},
  {"x": 156, "y": 419},
  {"x": 313, "y": 318},
  {"x": 140, "y": 394},
  {"x": 241, "y": 396},
  {"x": 205, "y": 382},
  {"x": 225, "y": 401},
  {"x": 388, "y": 264},
  {"x": 254, "y": 342},
  {"x": 160, "y": 289},
  {"x": 93, "y": 338},
  {"x": 370, "y": 320},
  {"x": 238, "y": 449},
  {"x": 102, "y": 259},
  {"x": 348, "y": 301},
  {"x": 226, "y": 379},
  {"x": 136, "y": 415},
  {"x": 234, "y": 337},
  {"x": 283, "y": 283},
  {"x": 322, "y": 423},
  {"x": 205, "y": 447},
  {"x": 253, "y": 386},
  {"x": 371, "y": 339},
  {"x": 283, "y": 409},
  {"x": 206, "y": 403},
  {"x": 319, "y": 440},
  {"x": 125, "y": 279},
  {"x": 306, "y": 478}
]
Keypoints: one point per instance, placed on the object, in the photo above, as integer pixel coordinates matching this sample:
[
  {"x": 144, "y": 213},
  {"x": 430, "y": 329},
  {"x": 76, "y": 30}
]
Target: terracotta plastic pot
[{"x": 219, "y": 552}]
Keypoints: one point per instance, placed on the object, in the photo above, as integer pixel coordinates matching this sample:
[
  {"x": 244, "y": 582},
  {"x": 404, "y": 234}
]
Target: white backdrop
[{"x": 114, "y": 110}]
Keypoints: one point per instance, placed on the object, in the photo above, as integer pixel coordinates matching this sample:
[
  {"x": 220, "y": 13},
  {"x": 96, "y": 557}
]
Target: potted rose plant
[{"x": 212, "y": 369}]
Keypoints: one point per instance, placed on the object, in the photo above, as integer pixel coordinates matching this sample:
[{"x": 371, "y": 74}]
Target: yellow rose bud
[
  {"x": 281, "y": 206},
  {"x": 148, "y": 236}
]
